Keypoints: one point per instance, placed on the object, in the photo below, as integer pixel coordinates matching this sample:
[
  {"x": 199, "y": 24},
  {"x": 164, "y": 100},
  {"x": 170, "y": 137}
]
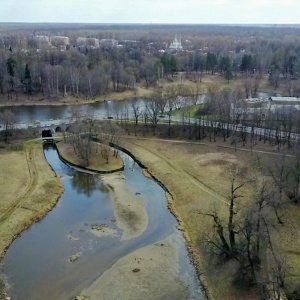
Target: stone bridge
[{"x": 57, "y": 125}]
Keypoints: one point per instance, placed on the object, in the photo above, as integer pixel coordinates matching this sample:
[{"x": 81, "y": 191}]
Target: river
[
  {"x": 37, "y": 264},
  {"x": 32, "y": 113}
]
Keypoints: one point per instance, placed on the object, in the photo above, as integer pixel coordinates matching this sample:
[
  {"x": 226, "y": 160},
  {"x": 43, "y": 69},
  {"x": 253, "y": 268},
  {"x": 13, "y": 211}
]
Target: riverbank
[
  {"x": 96, "y": 161},
  {"x": 150, "y": 273},
  {"x": 219, "y": 82},
  {"x": 31, "y": 192},
  {"x": 196, "y": 177},
  {"x": 41, "y": 101}
]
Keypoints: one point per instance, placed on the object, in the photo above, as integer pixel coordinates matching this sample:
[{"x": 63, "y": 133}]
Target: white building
[
  {"x": 58, "y": 41},
  {"x": 88, "y": 42},
  {"x": 176, "y": 44},
  {"x": 248, "y": 109},
  {"x": 42, "y": 39},
  {"x": 108, "y": 43}
]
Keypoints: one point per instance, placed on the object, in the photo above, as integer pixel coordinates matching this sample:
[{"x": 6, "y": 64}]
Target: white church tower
[{"x": 176, "y": 44}]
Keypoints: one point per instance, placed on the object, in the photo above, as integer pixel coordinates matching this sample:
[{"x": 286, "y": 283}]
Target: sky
[{"x": 152, "y": 11}]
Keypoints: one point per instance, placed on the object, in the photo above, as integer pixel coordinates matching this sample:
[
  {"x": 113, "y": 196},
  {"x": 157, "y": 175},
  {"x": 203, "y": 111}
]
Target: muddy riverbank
[{"x": 150, "y": 272}]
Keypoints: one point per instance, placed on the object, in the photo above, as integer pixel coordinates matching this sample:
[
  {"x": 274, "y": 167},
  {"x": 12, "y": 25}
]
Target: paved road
[{"x": 175, "y": 120}]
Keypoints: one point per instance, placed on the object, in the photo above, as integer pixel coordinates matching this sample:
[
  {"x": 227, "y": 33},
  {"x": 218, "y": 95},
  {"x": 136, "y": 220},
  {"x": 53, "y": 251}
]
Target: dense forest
[{"x": 141, "y": 58}]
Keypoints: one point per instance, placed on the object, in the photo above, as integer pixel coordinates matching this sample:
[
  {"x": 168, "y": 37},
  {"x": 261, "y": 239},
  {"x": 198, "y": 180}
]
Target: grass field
[
  {"x": 196, "y": 175},
  {"x": 29, "y": 189}
]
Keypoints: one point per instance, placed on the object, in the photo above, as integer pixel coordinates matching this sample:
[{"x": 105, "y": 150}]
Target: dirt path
[
  {"x": 195, "y": 181},
  {"x": 206, "y": 144},
  {"x": 23, "y": 197},
  {"x": 36, "y": 191},
  {"x": 196, "y": 176}
]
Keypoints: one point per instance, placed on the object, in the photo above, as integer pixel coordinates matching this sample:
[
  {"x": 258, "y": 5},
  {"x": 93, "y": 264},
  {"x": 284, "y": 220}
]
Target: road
[{"x": 259, "y": 131}]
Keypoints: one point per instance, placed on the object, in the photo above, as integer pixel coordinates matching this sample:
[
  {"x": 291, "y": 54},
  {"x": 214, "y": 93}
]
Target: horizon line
[{"x": 145, "y": 23}]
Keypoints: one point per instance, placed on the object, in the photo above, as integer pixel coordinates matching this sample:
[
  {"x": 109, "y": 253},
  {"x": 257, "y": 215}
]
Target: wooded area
[{"x": 141, "y": 57}]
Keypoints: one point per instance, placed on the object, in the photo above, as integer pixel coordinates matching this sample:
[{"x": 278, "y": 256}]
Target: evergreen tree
[
  {"x": 173, "y": 65},
  {"x": 11, "y": 66},
  {"x": 27, "y": 80},
  {"x": 211, "y": 62},
  {"x": 11, "y": 70},
  {"x": 247, "y": 64},
  {"x": 228, "y": 73}
]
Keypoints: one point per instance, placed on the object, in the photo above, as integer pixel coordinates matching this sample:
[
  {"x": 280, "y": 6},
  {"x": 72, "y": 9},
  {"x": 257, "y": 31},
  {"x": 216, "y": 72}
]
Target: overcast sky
[{"x": 151, "y": 11}]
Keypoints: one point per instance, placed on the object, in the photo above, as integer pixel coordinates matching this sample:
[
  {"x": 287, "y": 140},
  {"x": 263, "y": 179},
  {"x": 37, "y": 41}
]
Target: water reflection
[
  {"x": 37, "y": 264},
  {"x": 86, "y": 184}
]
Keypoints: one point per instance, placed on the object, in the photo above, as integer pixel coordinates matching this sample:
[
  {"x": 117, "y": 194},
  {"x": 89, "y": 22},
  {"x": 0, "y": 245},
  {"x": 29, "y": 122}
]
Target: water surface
[{"x": 37, "y": 264}]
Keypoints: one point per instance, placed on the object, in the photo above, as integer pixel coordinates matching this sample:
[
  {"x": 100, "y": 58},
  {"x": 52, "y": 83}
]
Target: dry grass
[
  {"x": 195, "y": 186},
  {"x": 14, "y": 177},
  {"x": 32, "y": 189},
  {"x": 287, "y": 240},
  {"x": 197, "y": 177},
  {"x": 140, "y": 92},
  {"x": 97, "y": 162}
]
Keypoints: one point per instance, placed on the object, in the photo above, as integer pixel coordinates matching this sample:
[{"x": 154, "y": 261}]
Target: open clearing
[{"x": 196, "y": 175}]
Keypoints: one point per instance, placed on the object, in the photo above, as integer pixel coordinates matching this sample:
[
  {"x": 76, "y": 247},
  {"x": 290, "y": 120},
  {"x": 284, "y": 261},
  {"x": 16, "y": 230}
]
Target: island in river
[{"x": 112, "y": 162}]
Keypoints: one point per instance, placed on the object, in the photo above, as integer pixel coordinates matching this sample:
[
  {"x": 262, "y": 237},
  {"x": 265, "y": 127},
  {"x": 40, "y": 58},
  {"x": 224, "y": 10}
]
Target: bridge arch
[{"x": 58, "y": 129}]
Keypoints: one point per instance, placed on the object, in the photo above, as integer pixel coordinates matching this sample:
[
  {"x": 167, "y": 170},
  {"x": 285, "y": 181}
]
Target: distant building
[
  {"x": 176, "y": 44},
  {"x": 258, "y": 108},
  {"x": 284, "y": 105},
  {"x": 58, "y": 41},
  {"x": 42, "y": 39},
  {"x": 108, "y": 43},
  {"x": 88, "y": 42},
  {"x": 284, "y": 100}
]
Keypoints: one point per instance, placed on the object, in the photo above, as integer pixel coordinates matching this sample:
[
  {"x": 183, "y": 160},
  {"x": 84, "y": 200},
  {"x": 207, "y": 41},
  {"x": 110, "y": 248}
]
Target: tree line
[{"x": 85, "y": 72}]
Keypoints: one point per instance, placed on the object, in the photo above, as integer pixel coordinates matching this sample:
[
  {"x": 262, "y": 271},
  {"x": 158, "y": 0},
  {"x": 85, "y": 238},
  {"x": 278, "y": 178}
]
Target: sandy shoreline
[
  {"x": 147, "y": 273},
  {"x": 130, "y": 212}
]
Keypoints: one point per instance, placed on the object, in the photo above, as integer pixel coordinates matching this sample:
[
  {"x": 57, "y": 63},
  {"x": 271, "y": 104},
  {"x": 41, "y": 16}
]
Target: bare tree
[
  {"x": 8, "y": 119},
  {"x": 279, "y": 174},
  {"x": 277, "y": 268},
  {"x": 152, "y": 109},
  {"x": 109, "y": 135},
  {"x": 136, "y": 107},
  {"x": 229, "y": 245},
  {"x": 82, "y": 131},
  {"x": 295, "y": 172}
]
